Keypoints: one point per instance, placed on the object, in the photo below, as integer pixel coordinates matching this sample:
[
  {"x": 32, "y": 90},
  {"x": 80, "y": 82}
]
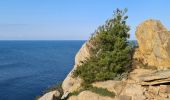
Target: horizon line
[{"x": 47, "y": 39}]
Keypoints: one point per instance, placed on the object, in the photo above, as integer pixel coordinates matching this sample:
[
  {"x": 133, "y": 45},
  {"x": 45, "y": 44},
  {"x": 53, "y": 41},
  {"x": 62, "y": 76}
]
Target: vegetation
[
  {"x": 100, "y": 91},
  {"x": 111, "y": 54}
]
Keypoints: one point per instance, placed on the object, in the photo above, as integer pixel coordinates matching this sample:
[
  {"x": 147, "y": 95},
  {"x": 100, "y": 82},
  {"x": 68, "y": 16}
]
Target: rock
[
  {"x": 49, "y": 95},
  {"x": 70, "y": 83},
  {"x": 73, "y": 98},
  {"x": 158, "y": 77},
  {"x": 154, "y": 44},
  {"x": 134, "y": 90},
  {"x": 123, "y": 97},
  {"x": 88, "y": 95},
  {"x": 83, "y": 53},
  {"x": 137, "y": 73}
]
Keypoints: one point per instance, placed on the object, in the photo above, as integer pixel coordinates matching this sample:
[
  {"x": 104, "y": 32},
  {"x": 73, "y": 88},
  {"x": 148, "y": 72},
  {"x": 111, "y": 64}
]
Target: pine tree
[{"x": 111, "y": 55}]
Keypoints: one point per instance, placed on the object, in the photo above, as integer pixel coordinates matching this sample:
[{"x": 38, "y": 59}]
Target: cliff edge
[{"x": 71, "y": 84}]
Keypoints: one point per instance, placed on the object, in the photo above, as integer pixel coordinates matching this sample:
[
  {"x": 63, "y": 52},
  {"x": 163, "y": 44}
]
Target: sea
[{"x": 27, "y": 68}]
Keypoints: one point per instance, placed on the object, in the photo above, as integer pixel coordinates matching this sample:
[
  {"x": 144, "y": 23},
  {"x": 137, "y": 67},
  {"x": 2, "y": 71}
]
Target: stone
[
  {"x": 88, "y": 95},
  {"x": 123, "y": 97},
  {"x": 49, "y": 95},
  {"x": 134, "y": 90},
  {"x": 137, "y": 73},
  {"x": 154, "y": 78},
  {"x": 154, "y": 44}
]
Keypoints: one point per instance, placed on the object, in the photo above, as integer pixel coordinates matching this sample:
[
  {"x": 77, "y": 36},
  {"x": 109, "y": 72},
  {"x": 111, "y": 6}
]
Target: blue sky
[{"x": 72, "y": 19}]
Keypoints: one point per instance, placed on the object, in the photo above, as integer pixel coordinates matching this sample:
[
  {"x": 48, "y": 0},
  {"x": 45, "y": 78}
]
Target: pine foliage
[{"x": 111, "y": 55}]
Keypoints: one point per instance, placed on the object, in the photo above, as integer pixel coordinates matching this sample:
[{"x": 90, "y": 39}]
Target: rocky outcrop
[
  {"x": 130, "y": 89},
  {"x": 157, "y": 77},
  {"x": 154, "y": 44},
  {"x": 141, "y": 84},
  {"x": 71, "y": 83},
  {"x": 150, "y": 83}
]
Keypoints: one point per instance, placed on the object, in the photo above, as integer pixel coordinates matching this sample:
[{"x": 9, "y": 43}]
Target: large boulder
[{"x": 154, "y": 44}]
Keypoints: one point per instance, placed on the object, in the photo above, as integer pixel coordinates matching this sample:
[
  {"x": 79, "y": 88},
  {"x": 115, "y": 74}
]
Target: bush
[
  {"x": 111, "y": 55},
  {"x": 100, "y": 91}
]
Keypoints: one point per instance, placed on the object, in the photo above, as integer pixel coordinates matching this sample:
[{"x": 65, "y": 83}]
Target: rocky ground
[{"x": 149, "y": 79}]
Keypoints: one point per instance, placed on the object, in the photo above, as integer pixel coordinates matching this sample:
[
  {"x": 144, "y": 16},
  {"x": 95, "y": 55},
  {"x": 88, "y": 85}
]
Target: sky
[{"x": 72, "y": 19}]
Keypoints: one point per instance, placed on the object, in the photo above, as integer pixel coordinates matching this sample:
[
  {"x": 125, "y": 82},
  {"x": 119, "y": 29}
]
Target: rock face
[
  {"x": 88, "y": 95},
  {"x": 71, "y": 84},
  {"x": 154, "y": 44},
  {"x": 158, "y": 77}
]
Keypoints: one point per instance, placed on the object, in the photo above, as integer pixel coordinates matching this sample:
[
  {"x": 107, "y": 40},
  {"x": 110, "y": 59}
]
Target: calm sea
[{"x": 29, "y": 67}]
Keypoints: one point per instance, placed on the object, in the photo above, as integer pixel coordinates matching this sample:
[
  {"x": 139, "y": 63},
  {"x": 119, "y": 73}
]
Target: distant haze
[{"x": 71, "y": 19}]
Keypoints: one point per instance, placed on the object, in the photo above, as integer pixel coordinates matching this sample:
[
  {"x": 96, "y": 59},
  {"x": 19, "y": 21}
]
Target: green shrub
[
  {"x": 100, "y": 91},
  {"x": 111, "y": 54}
]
